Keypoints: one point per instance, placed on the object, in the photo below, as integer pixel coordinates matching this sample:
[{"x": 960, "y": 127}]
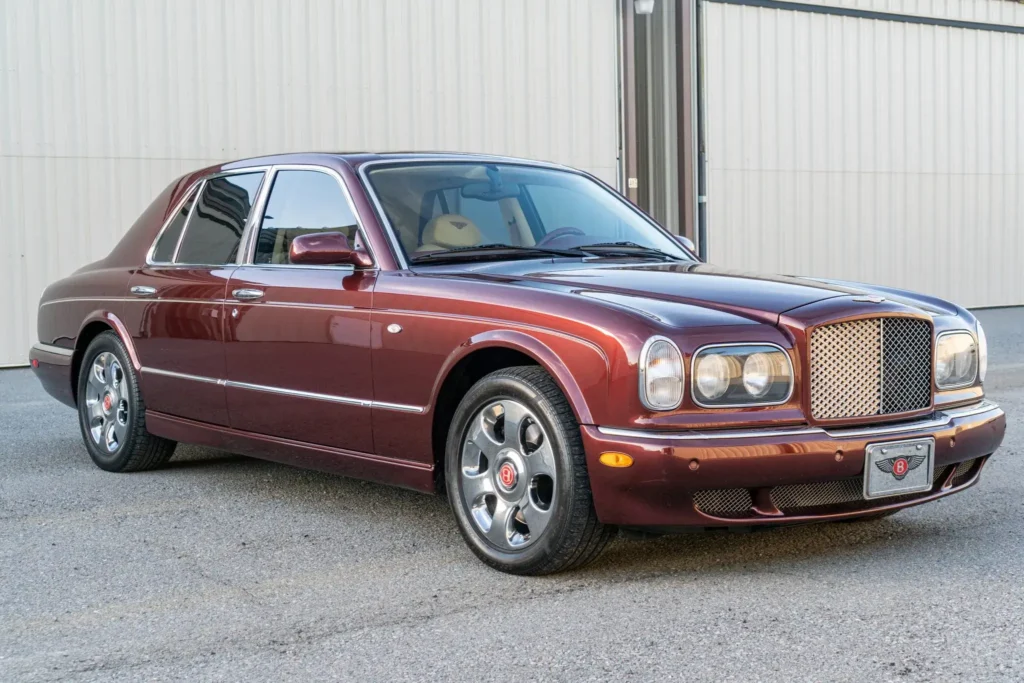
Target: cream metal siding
[
  {"x": 869, "y": 150},
  {"x": 103, "y": 103}
]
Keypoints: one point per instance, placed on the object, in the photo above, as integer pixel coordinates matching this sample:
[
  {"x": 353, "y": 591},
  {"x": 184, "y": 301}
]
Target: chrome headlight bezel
[
  {"x": 643, "y": 367},
  {"x": 966, "y": 381},
  {"x": 753, "y": 402},
  {"x": 982, "y": 353}
]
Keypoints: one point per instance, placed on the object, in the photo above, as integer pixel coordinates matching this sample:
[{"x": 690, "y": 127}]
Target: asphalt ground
[{"x": 225, "y": 568}]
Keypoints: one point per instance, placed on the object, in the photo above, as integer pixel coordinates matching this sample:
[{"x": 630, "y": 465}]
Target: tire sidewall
[
  {"x": 115, "y": 461},
  {"x": 490, "y": 390}
]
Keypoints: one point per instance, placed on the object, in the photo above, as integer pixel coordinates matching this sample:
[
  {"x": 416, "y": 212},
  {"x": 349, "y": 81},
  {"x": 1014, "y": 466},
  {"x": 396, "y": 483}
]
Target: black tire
[
  {"x": 135, "y": 449},
  {"x": 573, "y": 536}
]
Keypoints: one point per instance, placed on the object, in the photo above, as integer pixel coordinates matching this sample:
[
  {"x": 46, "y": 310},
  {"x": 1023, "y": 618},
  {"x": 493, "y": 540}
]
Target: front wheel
[
  {"x": 111, "y": 411},
  {"x": 516, "y": 476}
]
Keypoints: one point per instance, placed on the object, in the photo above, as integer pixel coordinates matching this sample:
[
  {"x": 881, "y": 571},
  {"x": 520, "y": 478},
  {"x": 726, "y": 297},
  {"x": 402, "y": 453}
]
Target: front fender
[{"x": 580, "y": 367}]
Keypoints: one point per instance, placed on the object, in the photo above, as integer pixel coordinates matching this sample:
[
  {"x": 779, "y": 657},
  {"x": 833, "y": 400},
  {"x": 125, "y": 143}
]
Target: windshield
[{"x": 451, "y": 208}]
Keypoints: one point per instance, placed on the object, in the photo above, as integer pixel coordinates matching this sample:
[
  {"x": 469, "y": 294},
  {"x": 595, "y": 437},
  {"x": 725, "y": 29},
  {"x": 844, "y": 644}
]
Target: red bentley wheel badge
[
  {"x": 107, "y": 402},
  {"x": 507, "y": 475}
]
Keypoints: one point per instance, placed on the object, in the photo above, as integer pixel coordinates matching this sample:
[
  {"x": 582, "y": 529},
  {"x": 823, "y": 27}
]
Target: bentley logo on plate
[{"x": 898, "y": 467}]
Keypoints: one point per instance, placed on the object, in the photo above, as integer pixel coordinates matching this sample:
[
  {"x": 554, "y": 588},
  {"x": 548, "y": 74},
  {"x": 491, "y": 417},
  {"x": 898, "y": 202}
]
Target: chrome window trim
[
  {"x": 247, "y": 257},
  {"x": 467, "y": 158},
  {"x": 197, "y": 186},
  {"x": 345, "y": 400},
  {"x": 941, "y": 419},
  {"x": 55, "y": 350},
  {"x": 693, "y": 376},
  {"x": 935, "y": 361},
  {"x": 642, "y": 373},
  {"x": 220, "y": 174}
]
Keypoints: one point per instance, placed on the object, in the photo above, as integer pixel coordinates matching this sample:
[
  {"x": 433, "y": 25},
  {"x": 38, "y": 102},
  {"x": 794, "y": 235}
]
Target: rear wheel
[
  {"x": 517, "y": 478},
  {"x": 111, "y": 411}
]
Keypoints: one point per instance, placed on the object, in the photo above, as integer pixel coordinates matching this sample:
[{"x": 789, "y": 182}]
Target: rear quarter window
[{"x": 214, "y": 231}]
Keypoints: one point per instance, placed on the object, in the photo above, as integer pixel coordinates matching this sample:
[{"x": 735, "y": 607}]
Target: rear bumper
[
  {"x": 748, "y": 466},
  {"x": 53, "y": 367}
]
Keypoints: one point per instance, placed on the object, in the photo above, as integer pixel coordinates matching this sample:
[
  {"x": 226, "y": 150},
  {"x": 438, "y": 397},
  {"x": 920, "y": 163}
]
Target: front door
[
  {"x": 175, "y": 310},
  {"x": 298, "y": 337}
]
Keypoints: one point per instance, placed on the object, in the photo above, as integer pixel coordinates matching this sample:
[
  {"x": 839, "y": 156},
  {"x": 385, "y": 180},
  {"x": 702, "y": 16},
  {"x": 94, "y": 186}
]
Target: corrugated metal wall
[
  {"x": 869, "y": 150},
  {"x": 102, "y": 103}
]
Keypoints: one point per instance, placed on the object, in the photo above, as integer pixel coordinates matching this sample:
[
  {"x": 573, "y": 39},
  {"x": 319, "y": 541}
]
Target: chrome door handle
[
  {"x": 247, "y": 294},
  {"x": 143, "y": 290}
]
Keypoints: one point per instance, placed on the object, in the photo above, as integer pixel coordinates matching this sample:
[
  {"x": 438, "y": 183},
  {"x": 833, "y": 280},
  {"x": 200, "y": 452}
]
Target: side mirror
[
  {"x": 686, "y": 242},
  {"x": 327, "y": 249}
]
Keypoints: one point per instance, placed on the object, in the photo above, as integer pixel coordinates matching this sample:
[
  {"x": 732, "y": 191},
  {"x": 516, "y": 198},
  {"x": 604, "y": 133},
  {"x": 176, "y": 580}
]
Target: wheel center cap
[
  {"x": 507, "y": 476},
  {"x": 108, "y": 403}
]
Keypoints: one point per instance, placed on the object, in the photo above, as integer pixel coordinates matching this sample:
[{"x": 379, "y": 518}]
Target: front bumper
[{"x": 774, "y": 476}]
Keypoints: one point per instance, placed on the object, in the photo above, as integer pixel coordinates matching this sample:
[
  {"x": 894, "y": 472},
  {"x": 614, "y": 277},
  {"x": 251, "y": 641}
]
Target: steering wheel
[{"x": 567, "y": 231}]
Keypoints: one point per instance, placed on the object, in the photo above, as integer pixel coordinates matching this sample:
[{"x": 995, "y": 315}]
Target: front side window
[
  {"x": 214, "y": 231},
  {"x": 450, "y": 208},
  {"x": 163, "y": 252},
  {"x": 302, "y": 202}
]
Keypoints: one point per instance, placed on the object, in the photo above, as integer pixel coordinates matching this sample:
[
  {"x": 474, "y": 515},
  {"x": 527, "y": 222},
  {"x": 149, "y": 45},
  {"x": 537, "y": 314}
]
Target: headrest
[{"x": 451, "y": 230}]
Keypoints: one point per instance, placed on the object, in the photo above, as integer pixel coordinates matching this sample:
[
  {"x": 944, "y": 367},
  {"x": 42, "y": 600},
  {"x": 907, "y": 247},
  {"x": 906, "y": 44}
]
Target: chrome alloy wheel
[
  {"x": 508, "y": 475},
  {"x": 106, "y": 402}
]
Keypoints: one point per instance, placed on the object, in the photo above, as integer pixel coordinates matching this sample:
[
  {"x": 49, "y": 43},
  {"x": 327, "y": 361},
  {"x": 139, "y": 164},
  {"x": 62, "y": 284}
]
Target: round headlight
[
  {"x": 712, "y": 375},
  {"x": 758, "y": 374},
  {"x": 661, "y": 375}
]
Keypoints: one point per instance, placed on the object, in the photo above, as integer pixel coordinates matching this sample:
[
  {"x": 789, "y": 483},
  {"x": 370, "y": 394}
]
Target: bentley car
[{"x": 519, "y": 336}]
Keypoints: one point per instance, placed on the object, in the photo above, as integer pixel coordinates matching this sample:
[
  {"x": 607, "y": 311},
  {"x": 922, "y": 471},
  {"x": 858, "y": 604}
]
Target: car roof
[{"x": 357, "y": 159}]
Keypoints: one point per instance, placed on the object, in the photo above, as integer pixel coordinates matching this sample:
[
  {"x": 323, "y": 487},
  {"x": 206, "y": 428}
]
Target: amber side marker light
[{"x": 612, "y": 459}]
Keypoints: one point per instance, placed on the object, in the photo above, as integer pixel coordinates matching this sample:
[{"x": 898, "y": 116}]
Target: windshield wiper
[
  {"x": 624, "y": 249},
  {"x": 494, "y": 249}
]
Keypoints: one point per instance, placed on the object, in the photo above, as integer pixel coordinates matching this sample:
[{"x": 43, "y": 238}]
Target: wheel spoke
[
  {"x": 541, "y": 462},
  {"x": 476, "y": 486},
  {"x": 515, "y": 413},
  {"x": 498, "y": 532},
  {"x": 97, "y": 376},
  {"x": 479, "y": 437},
  {"x": 536, "y": 518}
]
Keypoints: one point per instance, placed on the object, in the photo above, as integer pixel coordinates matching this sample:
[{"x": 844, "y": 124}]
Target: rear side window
[
  {"x": 215, "y": 230},
  {"x": 163, "y": 252},
  {"x": 301, "y": 202}
]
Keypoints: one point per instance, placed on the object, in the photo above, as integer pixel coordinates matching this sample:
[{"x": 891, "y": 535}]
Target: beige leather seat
[{"x": 449, "y": 231}]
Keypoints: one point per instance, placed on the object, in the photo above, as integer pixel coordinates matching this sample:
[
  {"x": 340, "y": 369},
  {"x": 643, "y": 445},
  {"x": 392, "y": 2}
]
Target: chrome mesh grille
[
  {"x": 815, "y": 495},
  {"x": 878, "y": 366},
  {"x": 724, "y": 502},
  {"x": 906, "y": 365},
  {"x": 963, "y": 472}
]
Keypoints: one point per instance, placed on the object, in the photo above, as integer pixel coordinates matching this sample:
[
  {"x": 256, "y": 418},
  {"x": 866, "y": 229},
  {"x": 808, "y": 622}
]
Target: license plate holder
[{"x": 896, "y": 468}]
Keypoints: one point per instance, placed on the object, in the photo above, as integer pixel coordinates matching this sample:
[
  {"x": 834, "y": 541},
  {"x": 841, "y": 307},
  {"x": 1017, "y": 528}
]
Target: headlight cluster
[
  {"x": 741, "y": 375},
  {"x": 957, "y": 359}
]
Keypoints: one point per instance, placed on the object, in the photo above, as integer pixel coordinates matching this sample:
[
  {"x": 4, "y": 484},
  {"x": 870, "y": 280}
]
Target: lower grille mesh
[
  {"x": 737, "y": 503},
  {"x": 724, "y": 502}
]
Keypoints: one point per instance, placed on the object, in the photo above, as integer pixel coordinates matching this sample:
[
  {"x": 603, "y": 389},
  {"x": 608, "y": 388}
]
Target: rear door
[
  {"x": 298, "y": 336},
  {"x": 175, "y": 311}
]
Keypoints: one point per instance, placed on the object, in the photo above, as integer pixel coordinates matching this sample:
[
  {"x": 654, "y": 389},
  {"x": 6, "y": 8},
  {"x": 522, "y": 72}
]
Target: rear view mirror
[
  {"x": 488, "y": 192},
  {"x": 327, "y": 249}
]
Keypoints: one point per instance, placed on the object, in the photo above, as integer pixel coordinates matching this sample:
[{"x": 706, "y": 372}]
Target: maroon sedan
[{"x": 518, "y": 335}]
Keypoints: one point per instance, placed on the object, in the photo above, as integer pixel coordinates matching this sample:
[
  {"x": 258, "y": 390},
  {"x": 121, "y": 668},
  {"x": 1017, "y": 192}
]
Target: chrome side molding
[
  {"x": 55, "y": 350},
  {"x": 345, "y": 400}
]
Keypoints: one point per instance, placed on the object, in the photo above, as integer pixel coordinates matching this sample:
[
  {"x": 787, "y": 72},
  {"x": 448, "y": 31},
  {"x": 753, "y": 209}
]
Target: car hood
[
  {"x": 761, "y": 297},
  {"x": 647, "y": 287}
]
